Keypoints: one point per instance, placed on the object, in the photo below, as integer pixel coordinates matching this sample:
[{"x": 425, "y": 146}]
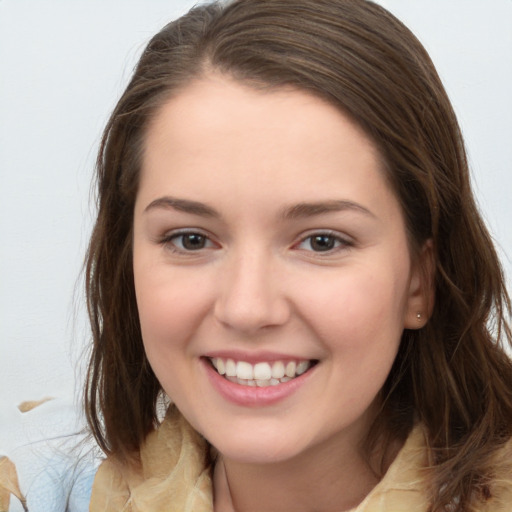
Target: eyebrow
[
  {"x": 302, "y": 210},
  {"x": 183, "y": 205}
]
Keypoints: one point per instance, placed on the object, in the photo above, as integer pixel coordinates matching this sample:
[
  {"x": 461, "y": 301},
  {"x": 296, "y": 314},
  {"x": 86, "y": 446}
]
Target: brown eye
[
  {"x": 324, "y": 242},
  {"x": 320, "y": 243},
  {"x": 190, "y": 241},
  {"x": 187, "y": 241},
  {"x": 194, "y": 241}
]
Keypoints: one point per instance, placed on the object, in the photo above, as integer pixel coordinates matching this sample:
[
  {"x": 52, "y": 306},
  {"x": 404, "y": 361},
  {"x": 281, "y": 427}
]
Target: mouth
[{"x": 261, "y": 374}]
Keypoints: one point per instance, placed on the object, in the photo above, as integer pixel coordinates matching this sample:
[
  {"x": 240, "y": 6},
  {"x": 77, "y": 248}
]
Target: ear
[{"x": 420, "y": 302}]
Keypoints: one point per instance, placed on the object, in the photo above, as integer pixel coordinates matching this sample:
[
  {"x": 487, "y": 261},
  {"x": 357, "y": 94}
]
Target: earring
[{"x": 418, "y": 316}]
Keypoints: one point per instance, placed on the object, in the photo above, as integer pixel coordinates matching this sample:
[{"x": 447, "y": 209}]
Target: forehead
[
  {"x": 285, "y": 141},
  {"x": 215, "y": 106}
]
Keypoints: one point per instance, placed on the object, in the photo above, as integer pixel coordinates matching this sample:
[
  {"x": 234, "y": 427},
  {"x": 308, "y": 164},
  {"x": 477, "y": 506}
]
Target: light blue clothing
[{"x": 55, "y": 460}]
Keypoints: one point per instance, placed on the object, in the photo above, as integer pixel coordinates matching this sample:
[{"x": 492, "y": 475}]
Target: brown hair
[{"x": 453, "y": 375}]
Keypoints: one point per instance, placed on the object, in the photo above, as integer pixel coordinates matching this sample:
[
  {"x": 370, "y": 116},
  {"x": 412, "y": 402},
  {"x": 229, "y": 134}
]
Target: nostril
[{"x": 250, "y": 315}]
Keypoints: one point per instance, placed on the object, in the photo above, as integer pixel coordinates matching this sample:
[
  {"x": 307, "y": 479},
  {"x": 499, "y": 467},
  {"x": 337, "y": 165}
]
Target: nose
[{"x": 251, "y": 295}]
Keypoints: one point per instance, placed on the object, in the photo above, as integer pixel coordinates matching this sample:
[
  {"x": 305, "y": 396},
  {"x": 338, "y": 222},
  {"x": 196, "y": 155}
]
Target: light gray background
[{"x": 64, "y": 63}]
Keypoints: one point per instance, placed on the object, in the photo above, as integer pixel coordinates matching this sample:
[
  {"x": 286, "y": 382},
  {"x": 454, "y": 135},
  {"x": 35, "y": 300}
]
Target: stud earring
[{"x": 418, "y": 316}]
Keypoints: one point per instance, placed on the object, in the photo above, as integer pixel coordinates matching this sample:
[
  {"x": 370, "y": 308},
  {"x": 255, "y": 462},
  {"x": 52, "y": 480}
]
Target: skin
[{"x": 256, "y": 284}]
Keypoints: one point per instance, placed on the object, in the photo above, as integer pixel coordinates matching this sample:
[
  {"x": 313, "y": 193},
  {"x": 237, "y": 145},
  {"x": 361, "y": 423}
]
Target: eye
[
  {"x": 187, "y": 241},
  {"x": 323, "y": 242}
]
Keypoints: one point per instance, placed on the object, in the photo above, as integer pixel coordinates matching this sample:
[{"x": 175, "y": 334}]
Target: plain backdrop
[{"x": 64, "y": 63}]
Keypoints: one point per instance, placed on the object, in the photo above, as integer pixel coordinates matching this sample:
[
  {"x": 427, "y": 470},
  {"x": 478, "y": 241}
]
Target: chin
[{"x": 257, "y": 451}]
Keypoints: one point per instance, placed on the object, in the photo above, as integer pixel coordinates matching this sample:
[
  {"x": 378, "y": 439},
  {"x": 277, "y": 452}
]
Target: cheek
[
  {"x": 358, "y": 309},
  {"x": 169, "y": 304}
]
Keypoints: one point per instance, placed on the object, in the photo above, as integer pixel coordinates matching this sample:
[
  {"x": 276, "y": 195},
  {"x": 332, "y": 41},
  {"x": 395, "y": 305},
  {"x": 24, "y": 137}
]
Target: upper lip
[{"x": 255, "y": 357}]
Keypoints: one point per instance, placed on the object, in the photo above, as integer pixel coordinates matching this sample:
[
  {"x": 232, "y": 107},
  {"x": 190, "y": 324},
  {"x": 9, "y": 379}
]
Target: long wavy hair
[{"x": 453, "y": 375}]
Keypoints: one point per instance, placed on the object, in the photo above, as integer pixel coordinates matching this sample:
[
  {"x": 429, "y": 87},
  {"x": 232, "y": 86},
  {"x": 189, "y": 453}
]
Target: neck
[{"x": 323, "y": 479}]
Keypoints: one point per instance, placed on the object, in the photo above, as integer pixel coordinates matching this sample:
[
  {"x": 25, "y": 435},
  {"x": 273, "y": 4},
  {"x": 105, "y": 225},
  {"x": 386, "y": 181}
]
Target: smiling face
[{"x": 272, "y": 270}]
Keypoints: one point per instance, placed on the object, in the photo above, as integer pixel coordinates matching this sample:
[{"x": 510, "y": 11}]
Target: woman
[{"x": 287, "y": 246}]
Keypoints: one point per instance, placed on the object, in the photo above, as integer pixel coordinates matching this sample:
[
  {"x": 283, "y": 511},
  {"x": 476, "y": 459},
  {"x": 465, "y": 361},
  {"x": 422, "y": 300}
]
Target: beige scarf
[{"x": 172, "y": 476}]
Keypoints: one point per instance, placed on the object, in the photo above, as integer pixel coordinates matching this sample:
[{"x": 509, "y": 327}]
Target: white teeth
[
  {"x": 262, "y": 371},
  {"x": 221, "y": 368},
  {"x": 302, "y": 367},
  {"x": 278, "y": 370},
  {"x": 244, "y": 370},
  {"x": 261, "y": 374},
  {"x": 290, "y": 369},
  {"x": 230, "y": 368}
]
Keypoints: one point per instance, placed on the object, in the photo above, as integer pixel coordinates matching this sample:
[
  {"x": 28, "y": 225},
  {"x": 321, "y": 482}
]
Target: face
[{"x": 272, "y": 270}]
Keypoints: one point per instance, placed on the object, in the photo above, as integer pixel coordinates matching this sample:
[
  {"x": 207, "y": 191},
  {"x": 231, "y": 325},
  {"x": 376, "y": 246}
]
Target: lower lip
[{"x": 254, "y": 396}]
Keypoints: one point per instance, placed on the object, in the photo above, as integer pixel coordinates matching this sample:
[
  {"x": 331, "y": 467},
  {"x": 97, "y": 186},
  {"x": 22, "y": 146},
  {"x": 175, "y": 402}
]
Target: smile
[{"x": 261, "y": 374}]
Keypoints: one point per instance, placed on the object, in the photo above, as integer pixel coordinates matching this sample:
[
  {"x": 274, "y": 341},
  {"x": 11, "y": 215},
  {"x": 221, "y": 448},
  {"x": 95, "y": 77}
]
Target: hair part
[{"x": 453, "y": 375}]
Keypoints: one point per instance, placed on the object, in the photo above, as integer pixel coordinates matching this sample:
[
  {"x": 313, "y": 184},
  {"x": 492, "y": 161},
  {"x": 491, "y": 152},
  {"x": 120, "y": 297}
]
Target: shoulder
[
  {"x": 47, "y": 461},
  {"x": 404, "y": 486},
  {"x": 501, "y": 485},
  {"x": 171, "y": 468}
]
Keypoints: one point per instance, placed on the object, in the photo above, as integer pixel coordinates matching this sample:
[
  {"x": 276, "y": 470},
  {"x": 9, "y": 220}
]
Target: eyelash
[{"x": 334, "y": 241}]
